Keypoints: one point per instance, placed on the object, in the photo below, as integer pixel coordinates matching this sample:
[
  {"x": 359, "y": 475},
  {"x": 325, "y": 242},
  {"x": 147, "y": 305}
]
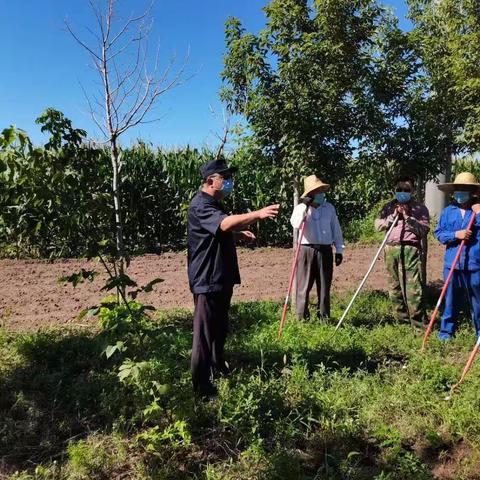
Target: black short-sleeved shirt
[{"x": 212, "y": 256}]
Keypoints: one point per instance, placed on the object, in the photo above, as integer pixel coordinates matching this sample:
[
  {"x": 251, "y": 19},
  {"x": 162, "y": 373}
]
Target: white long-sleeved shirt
[{"x": 322, "y": 226}]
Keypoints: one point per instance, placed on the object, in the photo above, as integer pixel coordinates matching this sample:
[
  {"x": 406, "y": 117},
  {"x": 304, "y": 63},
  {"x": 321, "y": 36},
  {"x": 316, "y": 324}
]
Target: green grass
[
  {"x": 363, "y": 404},
  {"x": 362, "y": 230}
]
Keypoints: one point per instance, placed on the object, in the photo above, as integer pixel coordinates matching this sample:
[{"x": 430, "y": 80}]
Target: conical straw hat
[
  {"x": 311, "y": 183},
  {"x": 464, "y": 181}
]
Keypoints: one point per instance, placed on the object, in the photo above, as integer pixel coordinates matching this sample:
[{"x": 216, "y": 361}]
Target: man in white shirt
[{"x": 315, "y": 262}]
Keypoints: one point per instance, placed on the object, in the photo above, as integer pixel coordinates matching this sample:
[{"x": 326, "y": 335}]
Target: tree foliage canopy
[
  {"x": 447, "y": 36},
  {"x": 337, "y": 87}
]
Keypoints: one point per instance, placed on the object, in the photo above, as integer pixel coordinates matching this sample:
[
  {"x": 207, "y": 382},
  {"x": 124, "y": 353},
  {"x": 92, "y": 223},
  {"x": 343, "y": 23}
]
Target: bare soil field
[{"x": 31, "y": 297}]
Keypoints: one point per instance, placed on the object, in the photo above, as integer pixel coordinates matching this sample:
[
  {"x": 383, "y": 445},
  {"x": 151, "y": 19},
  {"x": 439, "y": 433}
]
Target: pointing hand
[{"x": 269, "y": 212}]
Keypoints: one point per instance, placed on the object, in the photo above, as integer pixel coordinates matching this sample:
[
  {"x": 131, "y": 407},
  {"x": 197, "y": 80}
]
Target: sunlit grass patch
[{"x": 361, "y": 403}]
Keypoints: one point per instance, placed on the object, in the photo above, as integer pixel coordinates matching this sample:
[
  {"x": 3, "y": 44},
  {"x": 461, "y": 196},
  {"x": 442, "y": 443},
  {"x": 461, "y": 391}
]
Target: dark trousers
[
  {"x": 315, "y": 265},
  {"x": 210, "y": 328}
]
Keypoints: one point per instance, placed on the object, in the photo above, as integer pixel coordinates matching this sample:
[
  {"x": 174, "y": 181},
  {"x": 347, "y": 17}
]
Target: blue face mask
[
  {"x": 227, "y": 186},
  {"x": 461, "y": 197},
  {"x": 403, "y": 197},
  {"x": 319, "y": 198}
]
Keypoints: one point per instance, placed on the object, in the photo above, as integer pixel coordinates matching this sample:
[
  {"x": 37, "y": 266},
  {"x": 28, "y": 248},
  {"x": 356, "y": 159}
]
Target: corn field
[{"x": 55, "y": 200}]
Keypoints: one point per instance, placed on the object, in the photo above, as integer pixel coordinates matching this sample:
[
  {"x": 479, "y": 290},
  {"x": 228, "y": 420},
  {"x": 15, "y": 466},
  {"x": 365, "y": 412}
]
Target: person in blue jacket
[{"x": 451, "y": 230}]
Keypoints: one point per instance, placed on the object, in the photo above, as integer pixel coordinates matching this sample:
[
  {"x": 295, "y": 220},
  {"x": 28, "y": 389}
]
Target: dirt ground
[{"x": 31, "y": 297}]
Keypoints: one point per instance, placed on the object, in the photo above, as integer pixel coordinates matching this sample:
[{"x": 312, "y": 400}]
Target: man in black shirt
[{"x": 213, "y": 267}]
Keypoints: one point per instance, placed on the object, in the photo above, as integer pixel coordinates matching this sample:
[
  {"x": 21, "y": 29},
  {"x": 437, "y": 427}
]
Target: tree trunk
[
  {"x": 117, "y": 203},
  {"x": 435, "y": 201}
]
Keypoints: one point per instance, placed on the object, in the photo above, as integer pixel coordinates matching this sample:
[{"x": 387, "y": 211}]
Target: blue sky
[{"x": 43, "y": 67}]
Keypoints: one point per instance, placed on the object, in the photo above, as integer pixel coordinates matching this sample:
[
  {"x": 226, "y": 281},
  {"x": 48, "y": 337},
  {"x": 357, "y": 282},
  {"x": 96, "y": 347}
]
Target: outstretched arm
[{"x": 239, "y": 222}]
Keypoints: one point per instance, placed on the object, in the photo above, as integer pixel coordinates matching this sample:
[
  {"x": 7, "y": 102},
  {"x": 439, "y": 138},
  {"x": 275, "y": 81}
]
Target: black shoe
[
  {"x": 205, "y": 392},
  {"x": 221, "y": 370}
]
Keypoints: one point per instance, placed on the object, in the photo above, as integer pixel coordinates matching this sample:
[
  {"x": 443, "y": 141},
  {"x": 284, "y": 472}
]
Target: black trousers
[
  {"x": 210, "y": 328},
  {"x": 315, "y": 265}
]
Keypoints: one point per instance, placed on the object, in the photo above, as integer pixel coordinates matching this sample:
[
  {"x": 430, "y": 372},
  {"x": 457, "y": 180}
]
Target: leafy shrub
[{"x": 362, "y": 229}]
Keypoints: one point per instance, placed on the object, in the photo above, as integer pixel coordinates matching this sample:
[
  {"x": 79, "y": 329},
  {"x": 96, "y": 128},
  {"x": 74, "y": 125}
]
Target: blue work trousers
[{"x": 464, "y": 283}]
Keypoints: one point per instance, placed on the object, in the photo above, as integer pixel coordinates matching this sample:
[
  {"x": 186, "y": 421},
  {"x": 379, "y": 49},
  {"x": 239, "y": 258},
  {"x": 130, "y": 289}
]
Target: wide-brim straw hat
[
  {"x": 311, "y": 183},
  {"x": 464, "y": 181}
]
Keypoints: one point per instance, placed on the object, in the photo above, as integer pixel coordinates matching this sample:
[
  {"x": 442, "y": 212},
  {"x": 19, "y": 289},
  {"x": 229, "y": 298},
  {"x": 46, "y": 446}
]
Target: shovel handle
[
  {"x": 292, "y": 276},
  {"x": 468, "y": 366}
]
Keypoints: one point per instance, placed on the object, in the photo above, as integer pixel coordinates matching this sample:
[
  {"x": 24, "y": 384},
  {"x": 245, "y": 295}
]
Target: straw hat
[
  {"x": 311, "y": 183},
  {"x": 464, "y": 181}
]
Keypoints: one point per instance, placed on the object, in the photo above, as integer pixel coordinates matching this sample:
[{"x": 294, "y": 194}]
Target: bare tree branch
[
  {"x": 98, "y": 15},
  {"x": 135, "y": 70},
  {"x": 80, "y": 42},
  {"x": 130, "y": 22},
  {"x": 125, "y": 47},
  {"x": 130, "y": 86},
  {"x": 92, "y": 112},
  {"x": 223, "y": 138}
]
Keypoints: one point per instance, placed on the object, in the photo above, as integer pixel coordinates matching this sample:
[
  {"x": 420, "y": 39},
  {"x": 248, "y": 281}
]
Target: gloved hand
[{"x": 338, "y": 259}]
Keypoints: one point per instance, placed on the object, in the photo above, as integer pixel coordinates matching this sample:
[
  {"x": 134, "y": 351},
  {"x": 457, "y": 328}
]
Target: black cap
[{"x": 216, "y": 166}]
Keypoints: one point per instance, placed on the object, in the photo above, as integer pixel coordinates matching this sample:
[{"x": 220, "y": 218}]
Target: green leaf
[
  {"x": 8, "y": 135},
  {"x": 89, "y": 312},
  {"x": 111, "y": 349},
  {"x": 124, "y": 373},
  {"x": 149, "y": 286},
  {"x": 79, "y": 277},
  {"x": 122, "y": 280}
]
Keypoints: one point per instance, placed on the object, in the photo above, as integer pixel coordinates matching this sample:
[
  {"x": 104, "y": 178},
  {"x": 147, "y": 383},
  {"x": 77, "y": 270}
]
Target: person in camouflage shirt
[{"x": 403, "y": 251}]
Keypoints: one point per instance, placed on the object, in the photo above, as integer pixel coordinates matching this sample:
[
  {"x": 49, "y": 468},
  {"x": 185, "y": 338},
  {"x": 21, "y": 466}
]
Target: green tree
[
  {"x": 447, "y": 35},
  {"x": 332, "y": 87}
]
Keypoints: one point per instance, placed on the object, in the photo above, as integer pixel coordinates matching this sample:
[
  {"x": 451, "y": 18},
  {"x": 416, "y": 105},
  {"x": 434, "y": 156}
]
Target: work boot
[
  {"x": 221, "y": 370},
  {"x": 206, "y": 392}
]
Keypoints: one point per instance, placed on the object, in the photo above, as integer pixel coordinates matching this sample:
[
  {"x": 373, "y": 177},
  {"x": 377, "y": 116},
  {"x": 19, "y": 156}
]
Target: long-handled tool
[
  {"x": 428, "y": 331},
  {"x": 292, "y": 274},
  {"x": 468, "y": 366},
  {"x": 362, "y": 283}
]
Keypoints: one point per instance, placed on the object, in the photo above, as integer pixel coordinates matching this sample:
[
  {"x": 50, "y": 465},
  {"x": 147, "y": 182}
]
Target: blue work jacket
[{"x": 450, "y": 221}]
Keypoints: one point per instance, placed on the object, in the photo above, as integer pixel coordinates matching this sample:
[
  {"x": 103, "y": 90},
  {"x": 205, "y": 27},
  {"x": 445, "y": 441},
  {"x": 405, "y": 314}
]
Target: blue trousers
[{"x": 463, "y": 283}]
